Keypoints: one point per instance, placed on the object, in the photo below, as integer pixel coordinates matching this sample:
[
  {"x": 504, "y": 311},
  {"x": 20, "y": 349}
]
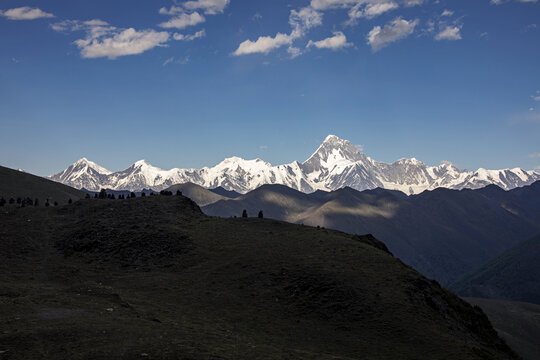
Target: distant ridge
[{"x": 336, "y": 164}]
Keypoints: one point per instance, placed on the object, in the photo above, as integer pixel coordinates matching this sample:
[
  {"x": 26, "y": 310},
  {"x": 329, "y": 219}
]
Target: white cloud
[
  {"x": 197, "y": 35},
  {"x": 263, "y": 147},
  {"x": 264, "y": 44},
  {"x": 336, "y": 42},
  {"x": 126, "y": 42},
  {"x": 210, "y": 7},
  {"x": 447, "y": 13},
  {"x": 536, "y": 98},
  {"x": 183, "y": 20},
  {"x": 531, "y": 109},
  {"x": 25, "y": 13},
  {"x": 499, "y": 2},
  {"x": 370, "y": 10},
  {"x": 380, "y": 37},
  {"x": 449, "y": 33},
  {"x": 534, "y": 155}
]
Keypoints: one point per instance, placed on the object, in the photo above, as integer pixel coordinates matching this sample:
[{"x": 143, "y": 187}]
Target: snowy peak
[{"x": 331, "y": 153}]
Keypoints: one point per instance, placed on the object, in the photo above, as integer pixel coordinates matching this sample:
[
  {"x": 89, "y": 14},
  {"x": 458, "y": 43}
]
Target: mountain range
[{"x": 336, "y": 164}]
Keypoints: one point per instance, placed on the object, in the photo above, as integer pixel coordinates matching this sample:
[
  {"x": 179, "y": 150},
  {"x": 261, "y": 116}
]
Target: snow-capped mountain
[{"x": 337, "y": 163}]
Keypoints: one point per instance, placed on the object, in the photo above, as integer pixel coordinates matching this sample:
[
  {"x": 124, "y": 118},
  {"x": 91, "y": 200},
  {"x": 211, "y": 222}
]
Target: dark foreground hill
[
  {"x": 14, "y": 184},
  {"x": 513, "y": 275},
  {"x": 155, "y": 278},
  {"x": 442, "y": 233}
]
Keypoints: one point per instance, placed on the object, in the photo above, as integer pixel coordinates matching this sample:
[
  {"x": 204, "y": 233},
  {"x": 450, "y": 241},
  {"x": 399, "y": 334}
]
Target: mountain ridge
[{"x": 335, "y": 164}]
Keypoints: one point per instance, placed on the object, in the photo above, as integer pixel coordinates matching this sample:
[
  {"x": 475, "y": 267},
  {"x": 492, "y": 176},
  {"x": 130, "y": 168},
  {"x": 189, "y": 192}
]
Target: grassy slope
[
  {"x": 15, "y": 184},
  {"x": 155, "y": 278},
  {"x": 513, "y": 275},
  {"x": 516, "y": 322}
]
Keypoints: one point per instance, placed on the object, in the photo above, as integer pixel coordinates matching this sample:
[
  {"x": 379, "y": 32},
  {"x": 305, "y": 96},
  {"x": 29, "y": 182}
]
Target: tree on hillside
[
  {"x": 244, "y": 213},
  {"x": 2, "y": 202},
  {"x": 70, "y": 201},
  {"x": 143, "y": 194},
  {"x": 260, "y": 214},
  {"x": 19, "y": 200},
  {"x": 47, "y": 203},
  {"x": 56, "y": 203},
  {"x": 113, "y": 197},
  {"x": 95, "y": 196},
  {"x": 11, "y": 201},
  {"x": 178, "y": 193},
  {"x": 103, "y": 194},
  {"x": 87, "y": 196},
  {"x": 36, "y": 202}
]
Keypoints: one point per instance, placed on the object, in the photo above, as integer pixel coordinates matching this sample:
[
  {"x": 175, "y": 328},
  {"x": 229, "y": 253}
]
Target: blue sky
[{"x": 188, "y": 83}]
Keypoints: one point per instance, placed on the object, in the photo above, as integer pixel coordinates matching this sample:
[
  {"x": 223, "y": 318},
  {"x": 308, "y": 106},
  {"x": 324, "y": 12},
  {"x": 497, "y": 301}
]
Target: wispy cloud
[
  {"x": 197, "y": 35},
  {"x": 534, "y": 155},
  {"x": 449, "y": 33},
  {"x": 172, "y": 60},
  {"x": 499, "y": 2},
  {"x": 25, "y": 13},
  {"x": 447, "y": 13}
]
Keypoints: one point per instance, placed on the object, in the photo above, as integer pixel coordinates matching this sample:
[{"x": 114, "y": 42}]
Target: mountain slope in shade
[
  {"x": 224, "y": 192},
  {"x": 518, "y": 323},
  {"x": 442, "y": 233},
  {"x": 336, "y": 164},
  {"x": 513, "y": 275},
  {"x": 14, "y": 184}
]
